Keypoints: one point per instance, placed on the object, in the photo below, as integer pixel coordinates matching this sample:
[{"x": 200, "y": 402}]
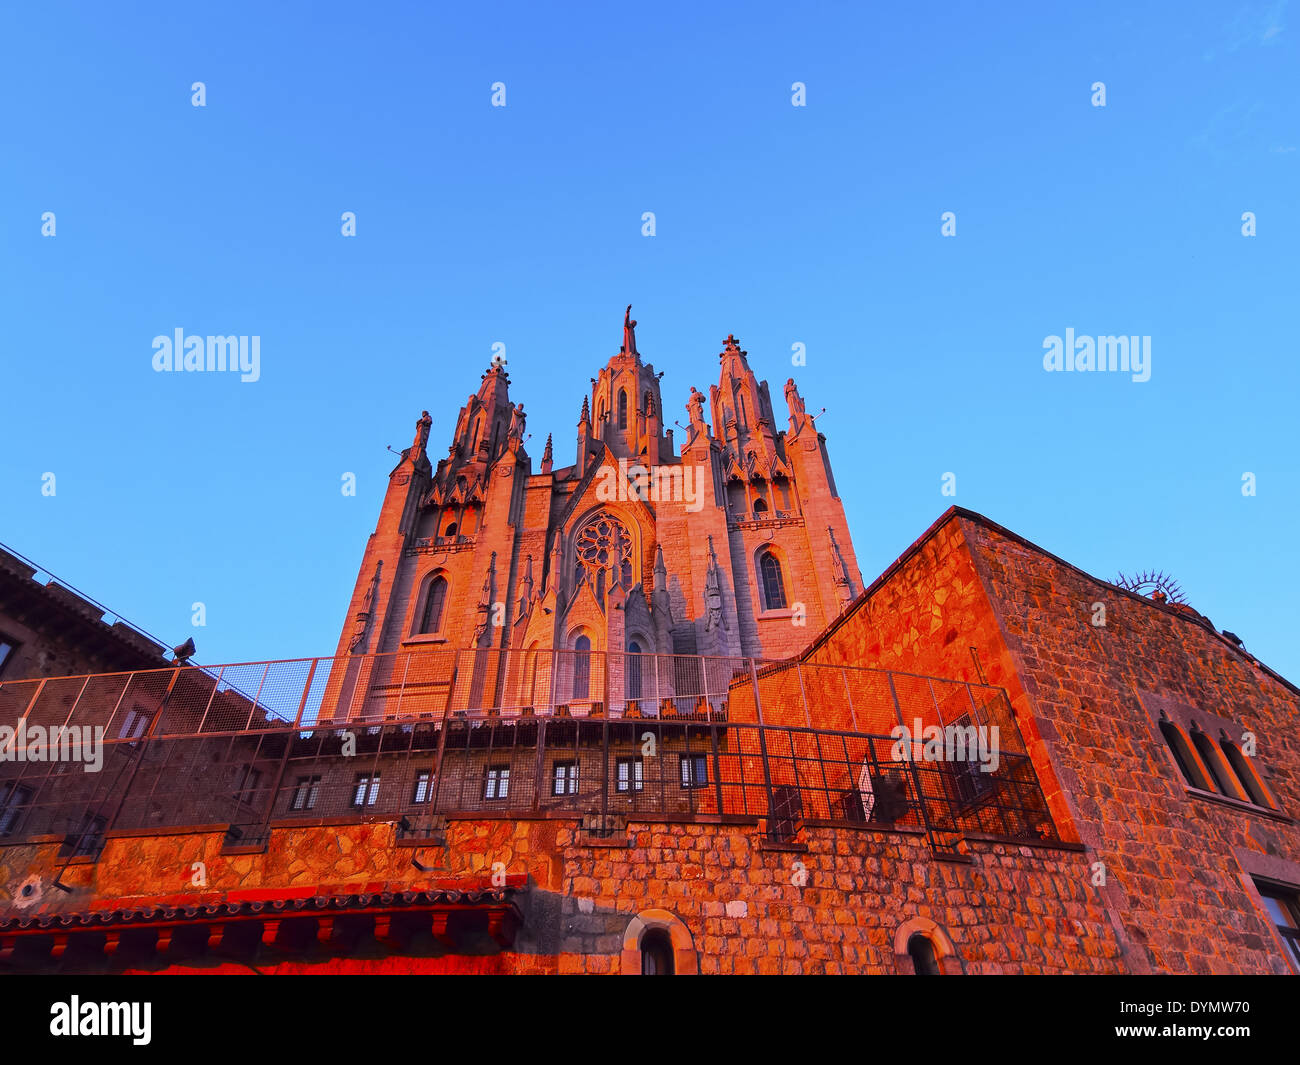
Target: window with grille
[
  {"x": 565, "y": 781},
  {"x": 497, "y": 782},
  {"x": 695, "y": 770},
  {"x": 629, "y": 775},
  {"x": 12, "y": 805},
  {"x": 304, "y": 793},
  {"x": 423, "y": 791},
  {"x": 248, "y": 783},
  {"x": 366, "y": 790}
]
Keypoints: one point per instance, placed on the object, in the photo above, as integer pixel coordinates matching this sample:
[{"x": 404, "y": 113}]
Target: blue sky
[{"x": 817, "y": 225}]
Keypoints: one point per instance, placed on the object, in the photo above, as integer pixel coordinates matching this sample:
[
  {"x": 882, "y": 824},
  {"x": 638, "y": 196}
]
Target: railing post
[
  {"x": 762, "y": 739},
  {"x": 604, "y": 785},
  {"x": 848, "y": 694},
  {"x": 442, "y": 733},
  {"x": 288, "y": 748},
  {"x": 803, "y": 695},
  {"x": 717, "y": 766},
  {"x": 911, "y": 762},
  {"x": 539, "y": 773}
]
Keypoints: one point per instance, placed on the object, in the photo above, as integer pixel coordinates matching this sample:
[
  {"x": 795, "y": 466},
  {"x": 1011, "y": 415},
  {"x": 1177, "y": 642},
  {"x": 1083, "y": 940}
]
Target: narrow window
[
  {"x": 656, "y": 953},
  {"x": 11, "y": 809},
  {"x": 134, "y": 726},
  {"x": 7, "y": 648},
  {"x": 921, "y": 951},
  {"x": 633, "y": 670},
  {"x": 1246, "y": 774},
  {"x": 760, "y": 510},
  {"x": 366, "y": 790},
  {"x": 497, "y": 783},
  {"x": 423, "y": 787},
  {"x": 1216, "y": 766},
  {"x": 630, "y": 775},
  {"x": 434, "y": 599},
  {"x": 773, "y": 582},
  {"x": 248, "y": 784},
  {"x": 695, "y": 770},
  {"x": 1184, "y": 756},
  {"x": 89, "y": 836},
  {"x": 305, "y": 792},
  {"x": 582, "y": 667},
  {"x": 566, "y": 779},
  {"x": 451, "y": 529},
  {"x": 1283, "y": 904},
  {"x": 622, "y": 410}
]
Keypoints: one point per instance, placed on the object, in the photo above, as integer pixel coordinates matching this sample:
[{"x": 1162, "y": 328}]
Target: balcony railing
[{"x": 416, "y": 736}]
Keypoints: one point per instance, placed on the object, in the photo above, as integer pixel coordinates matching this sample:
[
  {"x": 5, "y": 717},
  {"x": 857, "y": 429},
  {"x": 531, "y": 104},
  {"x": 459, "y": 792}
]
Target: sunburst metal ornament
[{"x": 1154, "y": 584}]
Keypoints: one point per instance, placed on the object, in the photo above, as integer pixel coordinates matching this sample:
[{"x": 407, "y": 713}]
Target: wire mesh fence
[{"x": 406, "y": 737}]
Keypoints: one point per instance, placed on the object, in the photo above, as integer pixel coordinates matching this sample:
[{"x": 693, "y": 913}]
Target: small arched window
[
  {"x": 1184, "y": 756},
  {"x": 622, "y": 410},
  {"x": 1255, "y": 787},
  {"x": 921, "y": 951},
  {"x": 582, "y": 667},
  {"x": 769, "y": 569},
  {"x": 656, "y": 953},
  {"x": 760, "y": 509},
  {"x": 434, "y": 601},
  {"x": 1217, "y": 767},
  {"x": 451, "y": 529},
  {"x": 634, "y": 670}
]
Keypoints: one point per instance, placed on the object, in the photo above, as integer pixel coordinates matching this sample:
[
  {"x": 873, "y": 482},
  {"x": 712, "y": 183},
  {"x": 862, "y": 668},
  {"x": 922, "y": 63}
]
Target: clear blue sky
[{"x": 817, "y": 225}]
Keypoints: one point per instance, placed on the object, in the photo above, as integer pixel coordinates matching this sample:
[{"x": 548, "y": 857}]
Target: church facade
[{"x": 735, "y": 546}]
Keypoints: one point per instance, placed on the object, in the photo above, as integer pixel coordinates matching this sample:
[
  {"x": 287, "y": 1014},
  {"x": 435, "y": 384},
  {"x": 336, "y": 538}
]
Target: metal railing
[{"x": 409, "y": 736}]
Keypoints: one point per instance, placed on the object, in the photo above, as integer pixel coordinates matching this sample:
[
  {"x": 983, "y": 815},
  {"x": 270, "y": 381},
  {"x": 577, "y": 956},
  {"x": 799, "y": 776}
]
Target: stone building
[
  {"x": 1140, "y": 818},
  {"x": 737, "y": 546},
  {"x": 48, "y": 630},
  {"x": 571, "y": 730}
]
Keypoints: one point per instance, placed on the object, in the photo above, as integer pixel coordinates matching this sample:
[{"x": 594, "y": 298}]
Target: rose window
[{"x": 605, "y": 544}]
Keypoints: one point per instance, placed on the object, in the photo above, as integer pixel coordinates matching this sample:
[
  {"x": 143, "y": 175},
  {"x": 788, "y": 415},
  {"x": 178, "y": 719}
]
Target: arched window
[
  {"x": 478, "y": 429},
  {"x": 921, "y": 951},
  {"x": 634, "y": 670},
  {"x": 1217, "y": 767},
  {"x": 1246, "y": 774},
  {"x": 769, "y": 569},
  {"x": 656, "y": 953},
  {"x": 434, "y": 600},
  {"x": 760, "y": 509},
  {"x": 622, "y": 410},
  {"x": 582, "y": 667},
  {"x": 451, "y": 529},
  {"x": 1184, "y": 756}
]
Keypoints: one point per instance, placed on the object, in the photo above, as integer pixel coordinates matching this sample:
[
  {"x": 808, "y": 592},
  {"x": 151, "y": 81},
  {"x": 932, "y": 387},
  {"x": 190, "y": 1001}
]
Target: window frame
[
  {"x": 766, "y": 555},
  {"x": 17, "y": 800},
  {"x": 688, "y": 778},
  {"x": 361, "y": 798},
  {"x": 9, "y": 647},
  {"x": 564, "y": 777},
  {"x": 635, "y": 780},
  {"x": 305, "y": 793},
  {"x": 437, "y": 581},
  {"x": 424, "y": 779},
  {"x": 496, "y": 783}
]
